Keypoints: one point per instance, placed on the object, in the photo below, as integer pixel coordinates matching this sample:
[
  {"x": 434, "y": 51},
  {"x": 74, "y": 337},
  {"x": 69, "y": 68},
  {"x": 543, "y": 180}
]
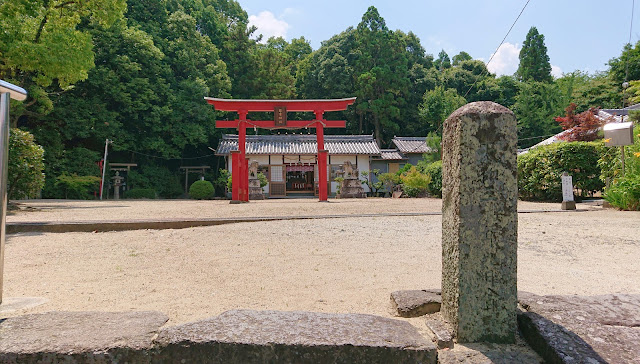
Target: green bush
[
  {"x": 136, "y": 193},
  {"x": 390, "y": 180},
  {"x": 415, "y": 183},
  {"x": 78, "y": 187},
  {"x": 25, "y": 177},
  {"x": 201, "y": 190},
  {"x": 434, "y": 171},
  {"x": 540, "y": 169},
  {"x": 624, "y": 193}
]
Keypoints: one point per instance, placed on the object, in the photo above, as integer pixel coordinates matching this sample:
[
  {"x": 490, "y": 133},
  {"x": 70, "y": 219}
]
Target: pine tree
[{"x": 534, "y": 61}]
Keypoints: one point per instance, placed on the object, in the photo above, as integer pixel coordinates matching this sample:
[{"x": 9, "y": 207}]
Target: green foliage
[
  {"x": 460, "y": 57},
  {"x": 434, "y": 171},
  {"x": 390, "y": 180},
  {"x": 437, "y": 105},
  {"x": 537, "y": 103},
  {"x": 263, "y": 179},
  {"x": 44, "y": 45},
  {"x": 540, "y": 169},
  {"x": 374, "y": 187},
  {"x": 78, "y": 187},
  {"x": 221, "y": 183},
  {"x": 442, "y": 62},
  {"x": 415, "y": 183},
  {"x": 434, "y": 143},
  {"x": 138, "y": 193},
  {"x": 158, "y": 178},
  {"x": 627, "y": 66},
  {"x": 534, "y": 60},
  {"x": 201, "y": 190},
  {"x": 610, "y": 159},
  {"x": 25, "y": 177},
  {"x": 624, "y": 192}
]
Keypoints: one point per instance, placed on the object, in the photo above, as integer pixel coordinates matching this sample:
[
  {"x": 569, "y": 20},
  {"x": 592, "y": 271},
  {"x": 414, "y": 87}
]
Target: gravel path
[{"x": 328, "y": 265}]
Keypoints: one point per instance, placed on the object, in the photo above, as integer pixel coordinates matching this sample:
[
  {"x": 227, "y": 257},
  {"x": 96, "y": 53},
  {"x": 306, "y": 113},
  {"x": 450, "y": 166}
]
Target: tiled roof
[
  {"x": 390, "y": 154},
  {"x": 411, "y": 144},
  {"x": 300, "y": 144}
]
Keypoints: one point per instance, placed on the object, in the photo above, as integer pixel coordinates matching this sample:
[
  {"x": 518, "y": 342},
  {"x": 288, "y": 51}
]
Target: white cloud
[
  {"x": 556, "y": 71},
  {"x": 268, "y": 25},
  {"x": 505, "y": 61}
]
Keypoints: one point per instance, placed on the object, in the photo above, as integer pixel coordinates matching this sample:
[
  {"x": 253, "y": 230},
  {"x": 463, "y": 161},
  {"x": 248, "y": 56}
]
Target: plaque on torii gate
[{"x": 239, "y": 162}]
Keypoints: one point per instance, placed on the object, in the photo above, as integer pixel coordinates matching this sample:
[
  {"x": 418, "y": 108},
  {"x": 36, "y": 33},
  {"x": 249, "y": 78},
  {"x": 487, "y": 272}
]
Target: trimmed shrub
[
  {"x": 25, "y": 177},
  {"x": 78, "y": 187},
  {"x": 201, "y": 190},
  {"x": 137, "y": 193},
  {"x": 540, "y": 169},
  {"x": 414, "y": 183}
]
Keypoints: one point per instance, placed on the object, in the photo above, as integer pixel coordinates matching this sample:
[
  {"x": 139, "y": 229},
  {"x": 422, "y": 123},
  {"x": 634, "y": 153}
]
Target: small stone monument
[
  {"x": 117, "y": 182},
  {"x": 480, "y": 223},
  {"x": 350, "y": 186},
  {"x": 567, "y": 192},
  {"x": 255, "y": 191}
]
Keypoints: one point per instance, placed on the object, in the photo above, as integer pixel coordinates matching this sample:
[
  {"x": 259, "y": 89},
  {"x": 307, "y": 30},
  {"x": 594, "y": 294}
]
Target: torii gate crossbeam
[{"x": 239, "y": 162}]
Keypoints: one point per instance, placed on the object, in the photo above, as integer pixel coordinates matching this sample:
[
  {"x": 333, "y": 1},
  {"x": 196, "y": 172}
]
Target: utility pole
[{"x": 104, "y": 164}]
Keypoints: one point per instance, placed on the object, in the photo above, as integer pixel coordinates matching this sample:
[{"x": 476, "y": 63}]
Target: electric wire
[
  {"x": 496, "y": 52},
  {"x": 168, "y": 159}
]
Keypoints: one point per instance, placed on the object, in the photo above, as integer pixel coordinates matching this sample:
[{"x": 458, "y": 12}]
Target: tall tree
[
  {"x": 381, "y": 70},
  {"x": 534, "y": 61},
  {"x": 442, "y": 62},
  {"x": 462, "y": 56}
]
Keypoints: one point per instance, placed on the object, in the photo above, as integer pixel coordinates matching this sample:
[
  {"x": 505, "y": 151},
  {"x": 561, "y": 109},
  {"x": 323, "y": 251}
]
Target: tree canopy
[{"x": 534, "y": 60}]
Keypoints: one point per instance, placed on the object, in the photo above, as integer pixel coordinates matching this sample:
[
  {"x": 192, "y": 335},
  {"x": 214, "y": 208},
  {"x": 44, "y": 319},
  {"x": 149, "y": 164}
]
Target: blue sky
[{"x": 579, "y": 35}]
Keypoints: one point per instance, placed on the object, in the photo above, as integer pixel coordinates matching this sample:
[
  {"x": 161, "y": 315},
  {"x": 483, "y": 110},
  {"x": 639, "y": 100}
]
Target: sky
[{"x": 580, "y": 34}]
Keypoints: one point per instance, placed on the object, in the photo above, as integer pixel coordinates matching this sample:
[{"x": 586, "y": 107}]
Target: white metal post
[{"x": 8, "y": 91}]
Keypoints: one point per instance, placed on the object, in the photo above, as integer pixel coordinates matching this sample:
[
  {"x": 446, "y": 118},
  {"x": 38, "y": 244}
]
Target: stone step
[{"x": 238, "y": 336}]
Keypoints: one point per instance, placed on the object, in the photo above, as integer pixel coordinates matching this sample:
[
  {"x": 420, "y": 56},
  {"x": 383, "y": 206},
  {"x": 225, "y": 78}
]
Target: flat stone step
[
  {"x": 239, "y": 336},
  {"x": 79, "y": 337},
  {"x": 246, "y": 336}
]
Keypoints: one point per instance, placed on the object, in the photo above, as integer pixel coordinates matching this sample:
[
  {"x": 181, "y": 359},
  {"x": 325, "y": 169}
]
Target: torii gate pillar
[{"x": 239, "y": 162}]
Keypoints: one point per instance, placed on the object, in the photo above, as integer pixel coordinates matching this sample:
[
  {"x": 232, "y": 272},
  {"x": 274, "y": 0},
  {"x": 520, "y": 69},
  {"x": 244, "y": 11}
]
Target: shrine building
[{"x": 289, "y": 161}]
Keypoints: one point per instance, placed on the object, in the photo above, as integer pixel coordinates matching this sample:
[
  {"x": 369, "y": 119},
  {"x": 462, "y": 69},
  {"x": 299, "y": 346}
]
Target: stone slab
[
  {"x": 12, "y": 304},
  {"x": 582, "y": 329},
  {"x": 246, "y": 336},
  {"x": 489, "y": 354},
  {"x": 442, "y": 331},
  {"x": 568, "y": 205},
  {"x": 79, "y": 337},
  {"x": 415, "y": 303}
]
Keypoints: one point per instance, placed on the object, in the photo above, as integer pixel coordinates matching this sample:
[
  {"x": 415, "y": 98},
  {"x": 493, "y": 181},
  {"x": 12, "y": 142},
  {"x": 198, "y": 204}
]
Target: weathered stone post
[{"x": 480, "y": 223}]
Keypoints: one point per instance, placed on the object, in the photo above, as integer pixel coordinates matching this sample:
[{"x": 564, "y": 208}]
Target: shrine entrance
[{"x": 296, "y": 177}]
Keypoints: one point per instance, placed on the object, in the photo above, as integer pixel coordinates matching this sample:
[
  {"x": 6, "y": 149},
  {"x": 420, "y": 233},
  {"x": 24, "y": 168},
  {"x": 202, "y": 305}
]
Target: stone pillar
[{"x": 480, "y": 223}]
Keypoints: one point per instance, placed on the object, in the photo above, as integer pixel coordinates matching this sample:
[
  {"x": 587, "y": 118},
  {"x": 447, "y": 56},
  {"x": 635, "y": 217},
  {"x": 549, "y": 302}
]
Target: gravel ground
[{"x": 342, "y": 265}]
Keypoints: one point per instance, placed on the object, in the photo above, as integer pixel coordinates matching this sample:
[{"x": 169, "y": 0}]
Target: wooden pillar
[
  {"x": 242, "y": 145},
  {"x": 322, "y": 158},
  {"x": 235, "y": 176}
]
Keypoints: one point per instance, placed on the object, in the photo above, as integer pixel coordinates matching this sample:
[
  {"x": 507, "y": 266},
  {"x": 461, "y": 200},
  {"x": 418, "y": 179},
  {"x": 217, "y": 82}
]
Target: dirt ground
[{"x": 350, "y": 264}]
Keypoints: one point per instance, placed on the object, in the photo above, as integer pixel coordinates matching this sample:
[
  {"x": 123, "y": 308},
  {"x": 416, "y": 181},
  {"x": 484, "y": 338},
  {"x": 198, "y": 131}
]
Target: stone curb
[{"x": 16, "y": 227}]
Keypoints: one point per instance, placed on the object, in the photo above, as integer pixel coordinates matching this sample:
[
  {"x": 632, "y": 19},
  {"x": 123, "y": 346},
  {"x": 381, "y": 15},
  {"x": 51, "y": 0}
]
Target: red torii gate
[{"x": 239, "y": 162}]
